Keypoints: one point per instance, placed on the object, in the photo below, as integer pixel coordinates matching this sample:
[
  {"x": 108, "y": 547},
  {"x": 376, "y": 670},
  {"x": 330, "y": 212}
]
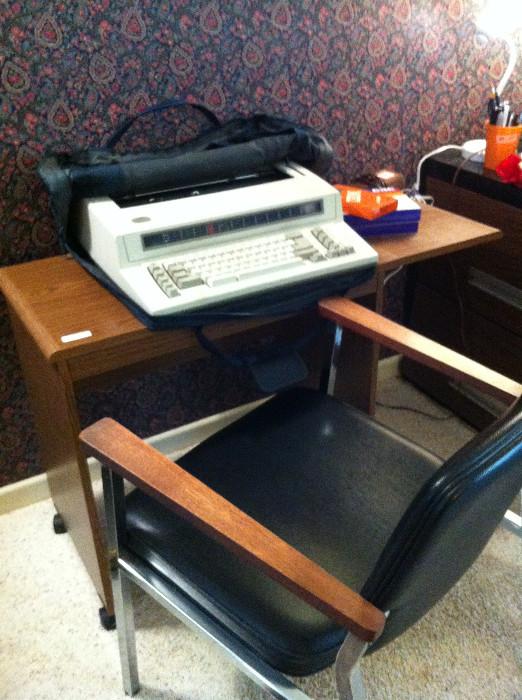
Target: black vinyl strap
[{"x": 160, "y": 107}]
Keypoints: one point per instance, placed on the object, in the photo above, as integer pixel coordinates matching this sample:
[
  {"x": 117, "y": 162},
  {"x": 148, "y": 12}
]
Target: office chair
[{"x": 306, "y": 532}]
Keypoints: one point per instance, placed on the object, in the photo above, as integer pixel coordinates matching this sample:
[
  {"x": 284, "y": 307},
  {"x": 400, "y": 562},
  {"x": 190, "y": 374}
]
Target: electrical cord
[
  {"x": 398, "y": 407},
  {"x": 416, "y": 185},
  {"x": 463, "y": 163},
  {"x": 460, "y": 303},
  {"x": 420, "y": 198},
  {"x": 391, "y": 274}
]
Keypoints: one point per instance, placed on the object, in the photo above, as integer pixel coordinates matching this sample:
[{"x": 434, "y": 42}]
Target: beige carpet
[{"x": 51, "y": 645}]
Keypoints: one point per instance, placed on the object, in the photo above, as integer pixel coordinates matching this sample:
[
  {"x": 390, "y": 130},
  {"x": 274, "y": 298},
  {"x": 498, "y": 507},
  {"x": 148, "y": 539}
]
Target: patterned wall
[{"x": 384, "y": 80}]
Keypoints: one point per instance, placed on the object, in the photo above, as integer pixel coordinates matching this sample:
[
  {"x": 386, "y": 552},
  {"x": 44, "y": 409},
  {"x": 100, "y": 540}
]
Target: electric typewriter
[{"x": 192, "y": 247}]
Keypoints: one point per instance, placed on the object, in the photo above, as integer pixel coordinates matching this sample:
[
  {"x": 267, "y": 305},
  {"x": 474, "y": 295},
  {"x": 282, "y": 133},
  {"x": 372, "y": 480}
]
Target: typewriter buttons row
[
  {"x": 334, "y": 249},
  {"x": 163, "y": 279}
]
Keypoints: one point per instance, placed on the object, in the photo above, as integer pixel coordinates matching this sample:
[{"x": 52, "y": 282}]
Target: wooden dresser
[{"x": 471, "y": 300}]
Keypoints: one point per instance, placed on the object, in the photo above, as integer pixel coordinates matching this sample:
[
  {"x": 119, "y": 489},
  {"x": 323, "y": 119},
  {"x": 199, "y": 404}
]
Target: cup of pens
[{"x": 503, "y": 132}]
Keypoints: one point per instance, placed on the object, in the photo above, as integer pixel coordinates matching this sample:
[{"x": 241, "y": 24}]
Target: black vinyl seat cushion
[{"x": 326, "y": 478}]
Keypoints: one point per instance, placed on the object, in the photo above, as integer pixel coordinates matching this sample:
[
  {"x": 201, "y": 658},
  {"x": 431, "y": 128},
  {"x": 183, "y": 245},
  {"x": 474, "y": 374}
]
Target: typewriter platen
[{"x": 189, "y": 248}]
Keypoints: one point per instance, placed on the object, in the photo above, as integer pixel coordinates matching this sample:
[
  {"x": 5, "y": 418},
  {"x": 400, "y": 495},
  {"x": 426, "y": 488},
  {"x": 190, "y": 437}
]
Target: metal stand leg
[{"x": 124, "y": 611}]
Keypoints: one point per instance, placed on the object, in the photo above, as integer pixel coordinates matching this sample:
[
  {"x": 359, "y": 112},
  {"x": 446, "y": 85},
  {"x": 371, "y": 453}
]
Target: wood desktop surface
[
  {"x": 55, "y": 297},
  {"x": 440, "y": 232}
]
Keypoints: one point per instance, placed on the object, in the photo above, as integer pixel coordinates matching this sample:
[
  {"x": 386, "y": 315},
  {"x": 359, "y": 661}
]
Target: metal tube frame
[
  {"x": 348, "y": 676},
  {"x": 114, "y": 499},
  {"x": 126, "y": 568},
  {"x": 334, "y": 359}
]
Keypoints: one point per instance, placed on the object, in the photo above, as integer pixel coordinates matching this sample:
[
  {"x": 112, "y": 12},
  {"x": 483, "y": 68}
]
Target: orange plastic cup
[{"x": 501, "y": 142}]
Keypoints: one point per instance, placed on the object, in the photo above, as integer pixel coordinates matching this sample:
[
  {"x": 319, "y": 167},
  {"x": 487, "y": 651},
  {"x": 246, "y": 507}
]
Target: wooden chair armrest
[
  {"x": 357, "y": 318},
  {"x": 155, "y": 474}
]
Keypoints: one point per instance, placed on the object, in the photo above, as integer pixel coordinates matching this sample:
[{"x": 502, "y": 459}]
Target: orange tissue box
[{"x": 366, "y": 204}]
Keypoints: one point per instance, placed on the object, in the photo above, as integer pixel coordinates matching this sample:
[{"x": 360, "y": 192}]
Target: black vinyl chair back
[{"x": 447, "y": 525}]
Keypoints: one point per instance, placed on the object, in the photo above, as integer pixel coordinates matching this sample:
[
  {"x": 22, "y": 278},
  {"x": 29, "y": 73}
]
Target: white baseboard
[
  {"x": 23, "y": 493},
  {"x": 28, "y": 491}
]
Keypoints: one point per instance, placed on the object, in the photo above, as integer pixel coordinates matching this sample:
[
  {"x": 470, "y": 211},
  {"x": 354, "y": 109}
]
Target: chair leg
[
  {"x": 357, "y": 687},
  {"x": 124, "y": 612},
  {"x": 114, "y": 500},
  {"x": 350, "y": 683}
]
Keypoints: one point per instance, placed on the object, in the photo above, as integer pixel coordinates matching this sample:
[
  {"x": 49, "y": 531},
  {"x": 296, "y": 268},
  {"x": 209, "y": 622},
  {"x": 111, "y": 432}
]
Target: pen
[
  {"x": 506, "y": 113},
  {"x": 494, "y": 106}
]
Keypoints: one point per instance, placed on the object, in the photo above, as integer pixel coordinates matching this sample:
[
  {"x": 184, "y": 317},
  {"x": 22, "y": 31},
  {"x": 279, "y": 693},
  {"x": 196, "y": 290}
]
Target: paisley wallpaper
[{"x": 384, "y": 80}]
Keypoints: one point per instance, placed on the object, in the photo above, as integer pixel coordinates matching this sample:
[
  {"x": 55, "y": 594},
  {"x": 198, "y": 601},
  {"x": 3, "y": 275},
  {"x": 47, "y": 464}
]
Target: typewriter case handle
[{"x": 160, "y": 107}]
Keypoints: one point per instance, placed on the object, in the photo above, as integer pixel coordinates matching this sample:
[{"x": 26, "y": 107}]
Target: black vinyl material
[
  {"x": 326, "y": 478},
  {"x": 447, "y": 525}
]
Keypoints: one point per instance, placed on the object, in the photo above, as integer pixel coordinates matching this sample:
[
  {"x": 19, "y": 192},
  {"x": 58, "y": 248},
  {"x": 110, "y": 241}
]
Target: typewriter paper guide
[{"x": 214, "y": 242}]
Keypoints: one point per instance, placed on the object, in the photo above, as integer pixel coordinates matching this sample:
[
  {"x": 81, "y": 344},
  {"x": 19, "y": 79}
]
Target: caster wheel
[
  {"x": 108, "y": 622},
  {"x": 59, "y": 524}
]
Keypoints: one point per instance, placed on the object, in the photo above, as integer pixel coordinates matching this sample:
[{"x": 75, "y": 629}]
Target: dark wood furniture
[
  {"x": 52, "y": 298},
  {"x": 471, "y": 300}
]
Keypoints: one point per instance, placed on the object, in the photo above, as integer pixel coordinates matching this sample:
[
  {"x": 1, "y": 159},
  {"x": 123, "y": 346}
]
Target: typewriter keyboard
[{"x": 216, "y": 266}]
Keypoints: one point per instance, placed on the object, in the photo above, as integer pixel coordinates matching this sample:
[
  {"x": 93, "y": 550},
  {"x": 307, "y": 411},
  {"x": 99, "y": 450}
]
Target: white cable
[
  {"x": 416, "y": 186},
  {"x": 391, "y": 274}
]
